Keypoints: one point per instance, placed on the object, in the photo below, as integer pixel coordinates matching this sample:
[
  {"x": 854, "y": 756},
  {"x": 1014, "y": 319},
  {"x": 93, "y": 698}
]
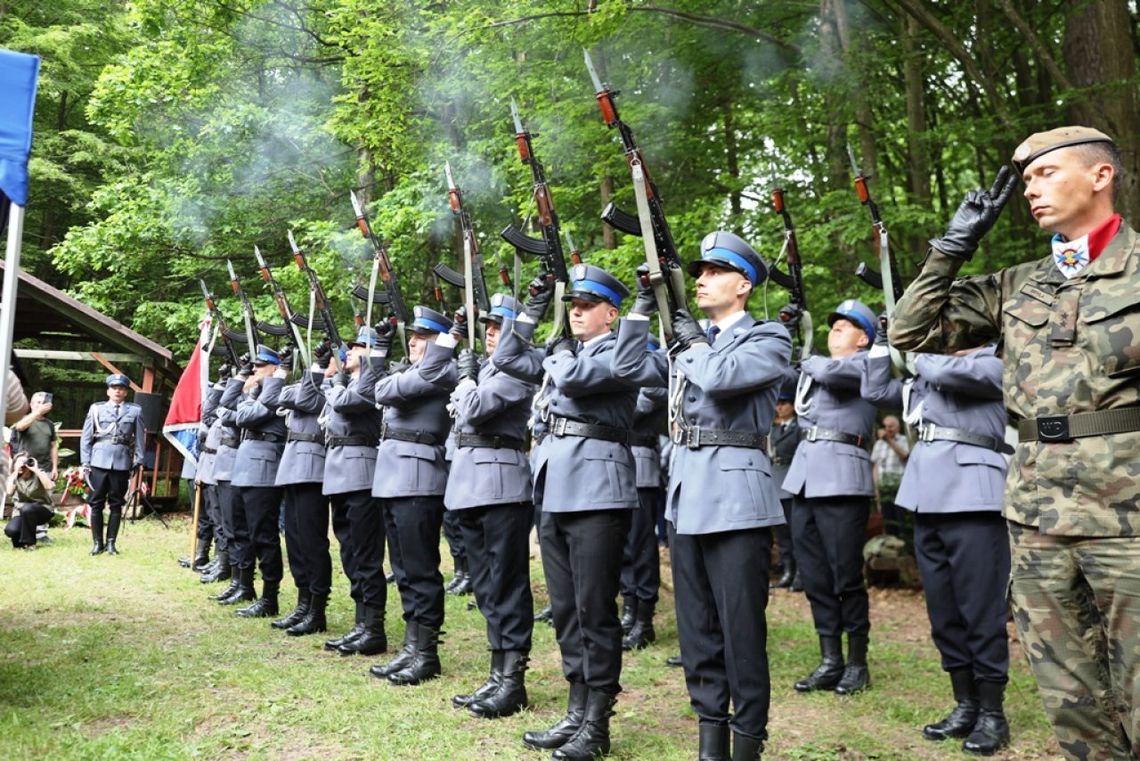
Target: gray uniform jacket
[
  {"x": 731, "y": 385},
  {"x": 649, "y": 420},
  {"x": 112, "y": 441},
  {"x": 227, "y": 430},
  {"x": 954, "y": 392},
  {"x": 350, "y": 411},
  {"x": 828, "y": 396},
  {"x": 415, "y": 400},
  {"x": 302, "y": 462},
  {"x": 498, "y": 405},
  {"x": 256, "y": 461},
  {"x": 205, "y": 472},
  {"x": 576, "y": 473},
  {"x": 782, "y": 443}
]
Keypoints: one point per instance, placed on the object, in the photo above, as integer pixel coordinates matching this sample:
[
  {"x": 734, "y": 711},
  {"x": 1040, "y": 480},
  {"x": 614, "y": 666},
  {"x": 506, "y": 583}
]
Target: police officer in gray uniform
[
  {"x": 489, "y": 492},
  {"x": 641, "y": 562},
  {"x": 352, "y": 431},
  {"x": 208, "y": 434},
  {"x": 721, "y": 501},
  {"x": 255, "y": 474},
  {"x": 587, "y": 477},
  {"x": 410, "y": 480},
  {"x": 233, "y": 516},
  {"x": 110, "y": 448},
  {"x": 954, "y": 484},
  {"x": 830, "y": 477},
  {"x": 301, "y": 475},
  {"x": 783, "y": 439}
]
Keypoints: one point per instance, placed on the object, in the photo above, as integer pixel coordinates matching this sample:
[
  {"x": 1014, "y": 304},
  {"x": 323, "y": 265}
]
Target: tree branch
[{"x": 1034, "y": 41}]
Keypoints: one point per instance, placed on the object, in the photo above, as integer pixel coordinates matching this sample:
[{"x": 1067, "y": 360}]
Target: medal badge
[{"x": 1070, "y": 256}]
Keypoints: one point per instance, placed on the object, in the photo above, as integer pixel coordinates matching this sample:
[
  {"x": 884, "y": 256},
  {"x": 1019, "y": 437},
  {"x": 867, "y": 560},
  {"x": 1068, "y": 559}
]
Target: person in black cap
[
  {"x": 783, "y": 439},
  {"x": 830, "y": 477},
  {"x": 586, "y": 474},
  {"x": 721, "y": 502},
  {"x": 255, "y": 474},
  {"x": 110, "y": 448},
  {"x": 410, "y": 480},
  {"x": 489, "y": 492}
]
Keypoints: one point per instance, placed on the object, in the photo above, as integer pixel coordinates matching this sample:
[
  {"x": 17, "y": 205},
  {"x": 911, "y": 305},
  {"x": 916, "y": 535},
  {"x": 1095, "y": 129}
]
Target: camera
[
  {"x": 29, "y": 462},
  {"x": 47, "y": 398}
]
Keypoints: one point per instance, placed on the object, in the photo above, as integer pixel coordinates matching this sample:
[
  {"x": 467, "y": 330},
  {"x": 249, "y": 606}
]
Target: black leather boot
[
  {"x": 264, "y": 606},
  {"x": 960, "y": 722},
  {"x": 201, "y": 554},
  {"x": 234, "y": 576},
  {"x": 745, "y": 748},
  {"x": 488, "y": 687},
  {"x": 403, "y": 658},
  {"x": 314, "y": 620},
  {"x": 628, "y": 613},
  {"x": 356, "y": 630},
  {"x": 593, "y": 738},
  {"x": 856, "y": 676},
  {"x": 373, "y": 640},
  {"x": 830, "y": 669},
  {"x": 567, "y": 726},
  {"x": 457, "y": 579},
  {"x": 425, "y": 659},
  {"x": 546, "y": 615},
  {"x": 304, "y": 600},
  {"x": 113, "y": 522},
  {"x": 220, "y": 571},
  {"x": 244, "y": 589},
  {"x": 462, "y": 585},
  {"x": 510, "y": 697},
  {"x": 713, "y": 742},
  {"x": 797, "y": 582},
  {"x": 789, "y": 575},
  {"x": 991, "y": 732},
  {"x": 641, "y": 634},
  {"x": 674, "y": 661},
  {"x": 97, "y": 545}
]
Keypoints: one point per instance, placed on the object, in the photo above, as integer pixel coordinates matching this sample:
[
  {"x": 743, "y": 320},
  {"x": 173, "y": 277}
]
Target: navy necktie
[{"x": 712, "y": 333}]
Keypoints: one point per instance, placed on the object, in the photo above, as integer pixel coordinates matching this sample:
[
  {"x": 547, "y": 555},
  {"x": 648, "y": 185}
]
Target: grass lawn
[{"x": 123, "y": 657}]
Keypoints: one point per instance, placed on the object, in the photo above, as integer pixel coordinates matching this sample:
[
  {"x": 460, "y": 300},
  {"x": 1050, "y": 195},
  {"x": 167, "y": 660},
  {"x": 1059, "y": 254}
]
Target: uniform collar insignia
[{"x": 1070, "y": 256}]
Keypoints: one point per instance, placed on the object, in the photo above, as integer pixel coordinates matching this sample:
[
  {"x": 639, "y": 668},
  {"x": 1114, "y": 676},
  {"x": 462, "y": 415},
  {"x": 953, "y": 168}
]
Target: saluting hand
[{"x": 974, "y": 218}]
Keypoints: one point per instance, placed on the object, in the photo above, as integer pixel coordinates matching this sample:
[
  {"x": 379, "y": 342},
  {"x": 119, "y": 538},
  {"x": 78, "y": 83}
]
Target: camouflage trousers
[{"x": 1076, "y": 603}]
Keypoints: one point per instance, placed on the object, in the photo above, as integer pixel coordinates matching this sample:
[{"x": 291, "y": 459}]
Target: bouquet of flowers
[{"x": 74, "y": 489}]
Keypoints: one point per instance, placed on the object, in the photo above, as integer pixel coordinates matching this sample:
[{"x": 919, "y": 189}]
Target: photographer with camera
[
  {"x": 35, "y": 434},
  {"x": 32, "y": 488}
]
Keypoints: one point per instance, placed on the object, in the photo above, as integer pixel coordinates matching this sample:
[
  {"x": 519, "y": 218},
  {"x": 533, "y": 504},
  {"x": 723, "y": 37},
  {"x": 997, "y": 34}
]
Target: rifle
[
  {"x": 327, "y": 323},
  {"x": 478, "y": 283},
  {"x": 666, "y": 271},
  {"x": 246, "y": 310},
  {"x": 793, "y": 281},
  {"x": 292, "y": 329},
  {"x": 387, "y": 274},
  {"x": 229, "y": 338}
]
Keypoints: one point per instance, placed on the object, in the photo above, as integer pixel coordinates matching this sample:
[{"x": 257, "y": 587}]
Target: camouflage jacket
[{"x": 1068, "y": 345}]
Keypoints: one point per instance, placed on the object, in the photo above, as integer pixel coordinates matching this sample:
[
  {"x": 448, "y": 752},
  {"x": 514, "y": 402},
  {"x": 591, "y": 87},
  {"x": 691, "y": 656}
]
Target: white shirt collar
[{"x": 728, "y": 321}]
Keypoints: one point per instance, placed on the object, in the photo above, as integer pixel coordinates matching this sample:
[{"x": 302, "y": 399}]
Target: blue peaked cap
[
  {"x": 857, "y": 313},
  {"x": 503, "y": 307},
  {"x": 427, "y": 320},
  {"x": 726, "y": 249},
  {"x": 266, "y": 356},
  {"x": 118, "y": 379},
  {"x": 591, "y": 283}
]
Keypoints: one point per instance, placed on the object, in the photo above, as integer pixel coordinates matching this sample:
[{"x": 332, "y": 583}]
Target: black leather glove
[
  {"x": 686, "y": 332},
  {"x": 789, "y": 315},
  {"x": 245, "y": 370},
  {"x": 287, "y": 356},
  {"x": 881, "y": 331},
  {"x": 225, "y": 372},
  {"x": 459, "y": 323},
  {"x": 385, "y": 330},
  {"x": 559, "y": 345},
  {"x": 646, "y": 301},
  {"x": 322, "y": 355},
  {"x": 468, "y": 365},
  {"x": 974, "y": 218},
  {"x": 541, "y": 291}
]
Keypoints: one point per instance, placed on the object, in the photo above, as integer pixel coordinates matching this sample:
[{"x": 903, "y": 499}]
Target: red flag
[{"x": 185, "y": 414}]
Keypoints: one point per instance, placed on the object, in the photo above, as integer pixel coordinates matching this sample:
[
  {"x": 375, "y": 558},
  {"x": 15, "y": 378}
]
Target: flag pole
[{"x": 8, "y": 293}]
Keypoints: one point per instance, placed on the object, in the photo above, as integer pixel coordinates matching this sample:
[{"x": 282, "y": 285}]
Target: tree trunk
[
  {"x": 863, "y": 118},
  {"x": 732, "y": 161},
  {"x": 1098, "y": 50},
  {"x": 918, "y": 168}
]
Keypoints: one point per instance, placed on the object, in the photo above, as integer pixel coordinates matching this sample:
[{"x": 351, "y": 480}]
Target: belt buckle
[
  {"x": 927, "y": 434},
  {"x": 1053, "y": 428},
  {"x": 812, "y": 433},
  {"x": 559, "y": 426},
  {"x": 693, "y": 437}
]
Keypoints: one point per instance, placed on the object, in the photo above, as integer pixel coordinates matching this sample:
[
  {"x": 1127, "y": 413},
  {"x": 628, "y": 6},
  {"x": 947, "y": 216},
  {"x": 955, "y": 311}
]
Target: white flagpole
[{"x": 8, "y": 294}]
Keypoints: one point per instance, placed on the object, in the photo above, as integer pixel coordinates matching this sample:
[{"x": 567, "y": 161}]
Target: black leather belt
[
  {"x": 643, "y": 440},
  {"x": 777, "y": 460},
  {"x": 230, "y": 441},
  {"x": 312, "y": 438},
  {"x": 465, "y": 440},
  {"x": 1057, "y": 428},
  {"x": 695, "y": 437},
  {"x": 208, "y": 450},
  {"x": 350, "y": 441},
  {"x": 124, "y": 440},
  {"x": 272, "y": 438},
  {"x": 416, "y": 437},
  {"x": 815, "y": 433},
  {"x": 931, "y": 432},
  {"x": 561, "y": 426}
]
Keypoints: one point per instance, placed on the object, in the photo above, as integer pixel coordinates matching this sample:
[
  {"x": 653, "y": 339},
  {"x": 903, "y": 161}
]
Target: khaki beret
[{"x": 1039, "y": 144}]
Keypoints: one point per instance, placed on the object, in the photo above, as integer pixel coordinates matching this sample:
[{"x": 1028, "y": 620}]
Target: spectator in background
[
  {"x": 32, "y": 489},
  {"x": 888, "y": 460},
  {"x": 15, "y": 405},
  {"x": 35, "y": 434}
]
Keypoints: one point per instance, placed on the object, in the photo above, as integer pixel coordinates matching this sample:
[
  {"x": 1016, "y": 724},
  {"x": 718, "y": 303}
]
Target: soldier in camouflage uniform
[{"x": 1069, "y": 323}]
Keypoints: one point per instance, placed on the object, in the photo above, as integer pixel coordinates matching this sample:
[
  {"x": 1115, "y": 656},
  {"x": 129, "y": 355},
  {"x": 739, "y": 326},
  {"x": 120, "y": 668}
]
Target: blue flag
[{"x": 18, "y": 75}]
